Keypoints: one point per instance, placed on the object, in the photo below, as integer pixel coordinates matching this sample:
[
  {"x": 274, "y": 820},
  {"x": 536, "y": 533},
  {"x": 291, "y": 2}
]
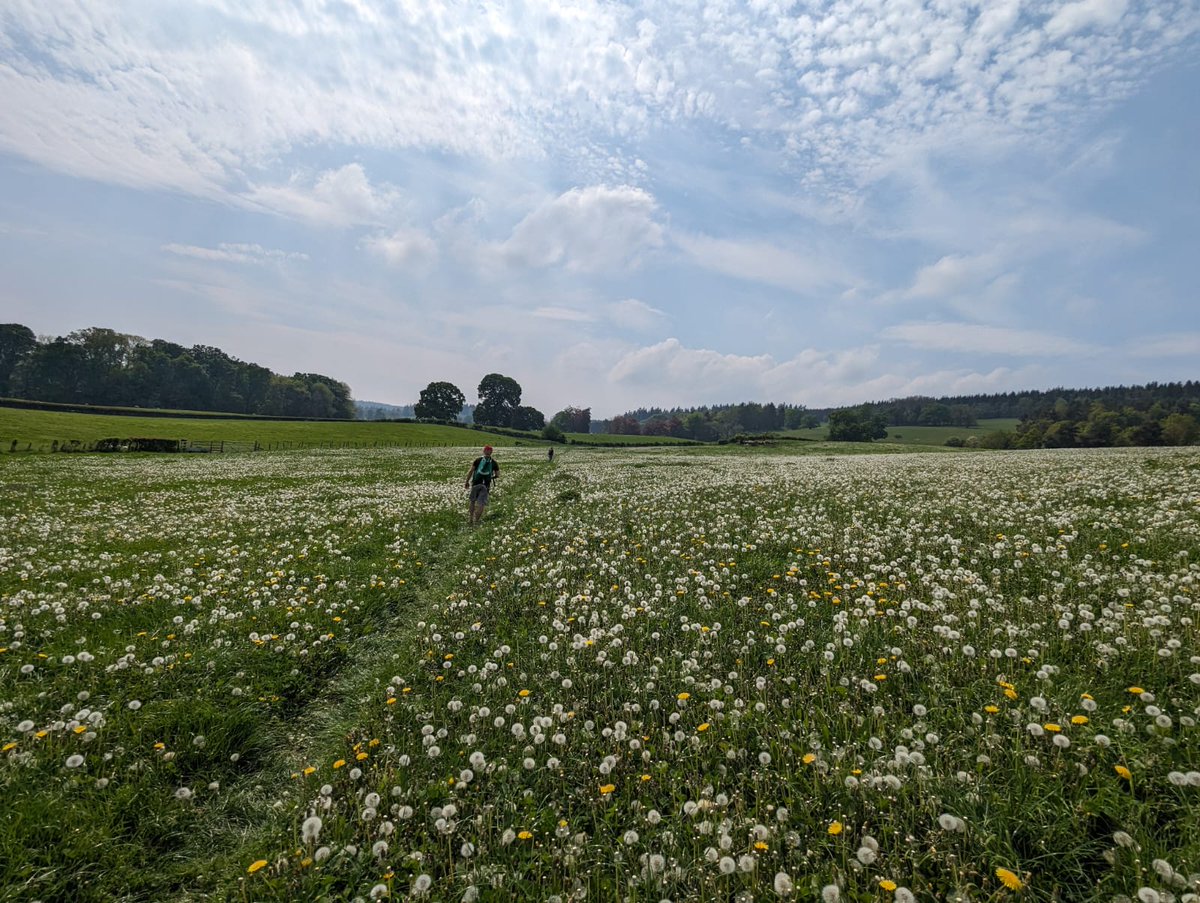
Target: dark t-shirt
[{"x": 485, "y": 479}]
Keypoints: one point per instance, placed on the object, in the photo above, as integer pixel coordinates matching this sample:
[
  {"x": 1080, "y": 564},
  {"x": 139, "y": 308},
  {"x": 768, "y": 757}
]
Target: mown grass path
[
  {"x": 176, "y": 632},
  {"x": 315, "y": 734}
]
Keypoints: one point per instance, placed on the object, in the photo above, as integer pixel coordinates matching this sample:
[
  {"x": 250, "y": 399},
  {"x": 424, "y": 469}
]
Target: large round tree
[
  {"x": 499, "y": 398},
  {"x": 440, "y": 401}
]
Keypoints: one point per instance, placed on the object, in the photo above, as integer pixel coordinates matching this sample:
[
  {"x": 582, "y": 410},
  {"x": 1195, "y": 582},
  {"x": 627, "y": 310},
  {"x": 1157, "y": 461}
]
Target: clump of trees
[
  {"x": 856, "y": 425},
  {"x": 99, "y": 366},
  {"x": 573, "y": 420},
  {"x": 499, "y": 404},
  {"x": 439, "y": 401},
  {"x": 710, "y": 424},
  {"x": 1101, "y": 427}
]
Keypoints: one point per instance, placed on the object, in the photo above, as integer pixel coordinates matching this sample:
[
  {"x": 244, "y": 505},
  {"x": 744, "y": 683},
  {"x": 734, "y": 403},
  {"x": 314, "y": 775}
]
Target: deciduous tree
[{"x": 440, "y": 401}]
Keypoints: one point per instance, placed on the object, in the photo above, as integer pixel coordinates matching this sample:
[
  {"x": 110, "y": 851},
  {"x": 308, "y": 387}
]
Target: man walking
[{"x": 479, "y": 480}]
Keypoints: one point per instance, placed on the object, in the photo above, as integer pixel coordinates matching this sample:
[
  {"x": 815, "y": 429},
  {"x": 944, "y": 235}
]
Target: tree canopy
[
  {"x": 100, "y": 366},
  {"x": 499, "y": 398},
  {"x": 440, "y": 401}
]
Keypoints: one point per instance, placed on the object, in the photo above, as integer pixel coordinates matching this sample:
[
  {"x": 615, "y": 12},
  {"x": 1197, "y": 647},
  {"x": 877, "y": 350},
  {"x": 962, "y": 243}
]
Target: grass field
[
  {"x": 38, "y": 429},
  {"x": 43, "y": 427},
  {"x": 920, "y": 435},
  {"x": 651, "y": 674},
  {"x": 611, "y": 439}
]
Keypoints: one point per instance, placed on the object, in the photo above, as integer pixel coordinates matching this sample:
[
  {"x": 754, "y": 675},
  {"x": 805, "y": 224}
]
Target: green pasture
[
  {"x": 41, "y": 428},
  {"x": 38, "y": 430},
  {"x": 920, "y": 435}
]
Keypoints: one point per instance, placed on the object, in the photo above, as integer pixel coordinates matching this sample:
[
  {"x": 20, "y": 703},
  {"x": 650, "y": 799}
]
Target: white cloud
[
  {"x": 951, "y": 275},
  {"x": 587, "y": 230},
  {"x": 205, "y": 96},
  {"x": 404, "y": 248},
  {"x": 669, "y": 373},
  {"x": 970, "y": 338},
  {"x": 631, "y": 313},
  {"x": 336, "y": 197},
  {"x": 563, "y": 315},
  {"x": 236, "y": 252},
  {"x": 1075, "y": 17},
  {"x": 763, "y": 262},
  {"x": 1183, "y": 344}
]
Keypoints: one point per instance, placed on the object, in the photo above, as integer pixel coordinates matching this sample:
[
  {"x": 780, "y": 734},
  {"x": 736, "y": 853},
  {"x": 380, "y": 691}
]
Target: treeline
[
  {"x": 1100, "y": 427},
  {"x": 100, "y": 366},
  {"x": 1032, "y": 405},
  {"x": 710, "y": 424}
]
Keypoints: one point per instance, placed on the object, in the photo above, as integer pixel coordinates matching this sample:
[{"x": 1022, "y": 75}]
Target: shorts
[{"x": 479, "y": 494}]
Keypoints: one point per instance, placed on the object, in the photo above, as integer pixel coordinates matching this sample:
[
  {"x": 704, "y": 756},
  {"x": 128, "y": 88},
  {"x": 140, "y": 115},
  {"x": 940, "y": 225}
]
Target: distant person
[
  {"x": 550, "y": 455},
  {"x": 483, "y": 470}
]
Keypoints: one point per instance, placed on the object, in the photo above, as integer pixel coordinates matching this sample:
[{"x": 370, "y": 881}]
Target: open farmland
[
  {"x": 38, "y": 429},
  {"x": 650, "y": 675},
  {"x": 921, "y": 435}
]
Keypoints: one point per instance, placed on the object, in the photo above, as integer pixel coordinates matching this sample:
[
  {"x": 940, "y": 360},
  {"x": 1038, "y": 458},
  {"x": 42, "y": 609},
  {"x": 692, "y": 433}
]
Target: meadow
[
  {"x": 31, "y": 430},
  {"x": 651, "y": 674},
  {"x": 921, "y": 435}
]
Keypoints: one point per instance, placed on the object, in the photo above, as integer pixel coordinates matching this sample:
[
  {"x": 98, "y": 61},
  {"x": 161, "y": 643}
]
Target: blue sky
[{"x": 617, "y": 204}]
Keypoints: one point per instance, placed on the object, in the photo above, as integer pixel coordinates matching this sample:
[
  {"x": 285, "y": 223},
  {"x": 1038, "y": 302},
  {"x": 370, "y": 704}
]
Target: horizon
[{"x": 622, "y": 205}]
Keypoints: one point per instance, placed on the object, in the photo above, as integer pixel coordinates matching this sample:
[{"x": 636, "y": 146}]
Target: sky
[{"x": 617, "y": 204}]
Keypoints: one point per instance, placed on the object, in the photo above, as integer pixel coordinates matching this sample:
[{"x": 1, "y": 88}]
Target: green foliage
[
  {"x": 527, "y": 418},
  {"x": 624, "y": 425},
  {"x": 16, "y": 342},
  {"x": 856, "y": 426},
  {"x": 499, "y": 398},
  {"x": 552, "y": 433},
  {"x": 573, "y": 420},
  {"x": 440, "y": 401},
  {"x": 99, "y": 366}
]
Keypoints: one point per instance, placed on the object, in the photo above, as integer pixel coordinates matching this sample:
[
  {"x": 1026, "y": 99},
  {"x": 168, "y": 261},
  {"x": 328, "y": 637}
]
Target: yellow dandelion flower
[
  {"x": 309, "y": 770},
  {"x": 8, "y": 746},
  {"x": 361, "y": 756},
  {"x": 759, "y": 845},
  {"x": 645, "y": 777},
  {"x": 991, "y": 709},
  {"x": 887, "y": 884},
  {"x": 835, "y": 828},
  {"x": 607, "y": 789},
  {"x": 524, "y": 835},
  {"x": 1124, "y": 772},
  {"x": 1052, "y": 727},
  {"x": 1079, "y": 719},
  {"x": 684, "y": 696},
  {"x": 339, "y": 763},
  {"x": 1136, "y": 691},
  {"x": 255, "y": 866},
  {"x": 1009, "y": 879},
  {"x": 523, "y": 693},
  {"x": 1010, "y": 692},
  {"x": 703, "y": 727},
  {"x": 809, "y": 758}
]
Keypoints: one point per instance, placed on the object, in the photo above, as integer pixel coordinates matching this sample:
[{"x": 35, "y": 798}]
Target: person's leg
[{"x": 481, "y": 500}]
